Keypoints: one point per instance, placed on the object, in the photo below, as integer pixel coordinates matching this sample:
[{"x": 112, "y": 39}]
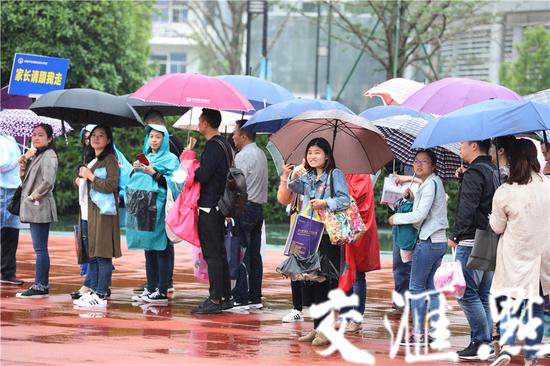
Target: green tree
[
  {"x": 530, "y": 73},
  {"x": 107, "y": 43}
]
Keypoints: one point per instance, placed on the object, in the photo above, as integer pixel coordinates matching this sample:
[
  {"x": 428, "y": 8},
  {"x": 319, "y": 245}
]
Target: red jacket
[{"x": 364, "y": 254}]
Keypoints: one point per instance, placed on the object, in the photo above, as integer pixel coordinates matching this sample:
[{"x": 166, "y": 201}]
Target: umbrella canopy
[
  {"x": 80, "y": 107},
  {"x": 190, "y": 120},
  {"x": 193, "y": 90},
  {"x": 379, "y": 112},
  {"x": 449, "y": 94},
  {"x": 260, "y": 93},
  {"x": 358, "y": 146},
  {"x": 394, "y": 91},
  {"x": 20, "y": 123},
  {"x": 12, "y": 101},
  {"x": 542, "y": 96},
  {"x": 272, "y": 118},
  {"x": 484, "y": 120},
  {"x": 400, "y": 132},
  {"x": 142, "y": 107}
]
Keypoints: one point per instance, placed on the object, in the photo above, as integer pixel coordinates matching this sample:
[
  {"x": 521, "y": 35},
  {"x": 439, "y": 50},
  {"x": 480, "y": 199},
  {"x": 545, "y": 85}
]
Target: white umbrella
[{"x": 190, "y": 120}]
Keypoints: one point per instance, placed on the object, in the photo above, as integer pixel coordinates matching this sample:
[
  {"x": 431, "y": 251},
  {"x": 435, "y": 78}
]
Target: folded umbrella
[
  {"x": 272, "y": 118},
  {"x": 394, "y": 91},
  {"x": 260, "y": 93},
  {"x": 80, "y": 107},
  {"x": 358, "y": 146},
  {"x": 492, "y": 118}
]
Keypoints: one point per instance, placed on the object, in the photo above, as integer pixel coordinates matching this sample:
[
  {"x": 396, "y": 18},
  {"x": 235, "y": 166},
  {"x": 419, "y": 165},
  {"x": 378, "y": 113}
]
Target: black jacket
[
  {"x": 475, "y": 198},
  {"x": 212, "y": 173}
]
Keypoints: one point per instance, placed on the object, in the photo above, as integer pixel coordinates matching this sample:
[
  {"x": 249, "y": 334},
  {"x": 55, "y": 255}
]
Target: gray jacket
[{"x": 40, "y": 180}]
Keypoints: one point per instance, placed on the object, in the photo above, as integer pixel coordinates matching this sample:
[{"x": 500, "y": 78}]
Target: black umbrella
[
  {"x": 79, "y": 107},
  {"x": 143, "y": 107}
]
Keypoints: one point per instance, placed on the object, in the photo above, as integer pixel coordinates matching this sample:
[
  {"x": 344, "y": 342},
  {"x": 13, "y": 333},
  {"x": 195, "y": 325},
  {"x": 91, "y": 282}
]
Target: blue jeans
[
  {"x": 100, "y": 271},
  {"x": 85, "y": 246},
  {"x": 158, "y": 269},
  {"x": 39, "y": 235},
  {"x": 401, "y": 271},
  {"x": 523, "y": 314},
  {"x": 249, "y": 224},
  {"x": 475, "y": 302},
  {"x": 359, "y": 289},
  {"x": 426, "y": 260}
]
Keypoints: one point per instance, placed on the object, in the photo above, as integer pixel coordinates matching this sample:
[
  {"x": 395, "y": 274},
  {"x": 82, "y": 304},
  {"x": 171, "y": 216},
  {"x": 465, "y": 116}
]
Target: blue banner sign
[{"x": 33, "y": 74}]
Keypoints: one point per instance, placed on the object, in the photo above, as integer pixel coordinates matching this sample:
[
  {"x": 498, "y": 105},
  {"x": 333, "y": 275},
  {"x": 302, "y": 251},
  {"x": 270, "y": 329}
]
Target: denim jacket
[{"x": 310, "y": 187}]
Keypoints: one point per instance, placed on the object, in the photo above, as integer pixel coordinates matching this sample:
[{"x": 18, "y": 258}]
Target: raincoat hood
[
  {"x": 88, "y": 128},
  {"x": 163, "y": 160}
]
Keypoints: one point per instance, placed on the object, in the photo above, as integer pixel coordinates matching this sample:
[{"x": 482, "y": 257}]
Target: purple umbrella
[
  {"x": 449, "y": 94},
  {"x": 20, "y": 122}
]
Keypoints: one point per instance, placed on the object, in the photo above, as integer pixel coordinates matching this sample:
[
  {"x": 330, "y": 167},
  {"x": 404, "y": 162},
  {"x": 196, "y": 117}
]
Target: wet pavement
[{"x": 51, "y": 332}]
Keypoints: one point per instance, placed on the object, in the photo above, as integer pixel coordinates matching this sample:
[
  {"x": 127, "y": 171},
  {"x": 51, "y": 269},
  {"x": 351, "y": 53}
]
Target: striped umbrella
[
  {"x": 394, "y": 91},
  {"x": 20, "y": 123},
  {"x": 400, "y": 132}
]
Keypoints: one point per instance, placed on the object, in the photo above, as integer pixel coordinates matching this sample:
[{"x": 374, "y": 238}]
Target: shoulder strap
[
  {"x": 329, "y": 177},
  {"x": 495, "y": 175},
  {"x": 229, "y": 157}
]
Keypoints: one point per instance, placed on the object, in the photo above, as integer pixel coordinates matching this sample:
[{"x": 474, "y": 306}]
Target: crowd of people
[{"x": 503, "y": 188}]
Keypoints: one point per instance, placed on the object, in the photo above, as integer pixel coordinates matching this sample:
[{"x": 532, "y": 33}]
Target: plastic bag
[
  {"x": 449, "y": 279},
  {"x": 200, "y": 268}
]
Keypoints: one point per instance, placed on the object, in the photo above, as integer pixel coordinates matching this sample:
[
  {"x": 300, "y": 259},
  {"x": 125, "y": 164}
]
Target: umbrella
[
  {"x": 193, "y": 90},
  {"x": 358, "y": 146},
  {"x": 542, "y": 96},
  {"x": 272, "y": 118},
  {"x": 492, "y": 118},
  {"x": 261, "y": 93},
  {"x": 82, "y": 106},
  {"x": 20, "y": 123},
  {"x": 190, "y": 120},
  {"x": 379, "y": 112},
  {"x": 449, "y": 94},
  {"x": 400, "y": 132},
  {"x": 394, "y": 91},
  {"x": 142, "y": 107},
  {"x": 12, "y": 101}
]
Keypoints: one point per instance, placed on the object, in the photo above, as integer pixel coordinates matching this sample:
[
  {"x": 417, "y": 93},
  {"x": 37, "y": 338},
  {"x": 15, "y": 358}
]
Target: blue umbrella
[
  {"x": 272, "y": 118},
  {"x": 379, "y": 112},
  {"x": 261, "y": 93},
  {"x": 491, "y": 118}
]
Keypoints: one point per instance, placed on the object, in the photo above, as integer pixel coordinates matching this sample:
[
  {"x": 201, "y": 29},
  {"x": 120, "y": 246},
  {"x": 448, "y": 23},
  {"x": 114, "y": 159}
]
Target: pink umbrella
[
  {"x": 394, "y": 91},
  {"x": 449, "y": 94},
  {"x": 193, "y": 90}
]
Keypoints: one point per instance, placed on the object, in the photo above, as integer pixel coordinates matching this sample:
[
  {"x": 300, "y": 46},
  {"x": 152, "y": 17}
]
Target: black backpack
[{"x": 235, "y": 196}]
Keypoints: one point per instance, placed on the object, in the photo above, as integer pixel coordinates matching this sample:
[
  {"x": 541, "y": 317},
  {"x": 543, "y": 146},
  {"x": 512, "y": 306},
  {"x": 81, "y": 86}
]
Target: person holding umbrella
[
  {"x": 38, "y": 169},
  {"x": 311, "y": 179}
]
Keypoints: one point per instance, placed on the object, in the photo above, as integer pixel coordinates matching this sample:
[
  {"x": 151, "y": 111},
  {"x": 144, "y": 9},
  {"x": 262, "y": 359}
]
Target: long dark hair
[
  {"x": 523, "y": 162},
  {"x": 325, "y": 146},
  {"x": 49, "y": 133},
  {"x": 109, "y": 149}
]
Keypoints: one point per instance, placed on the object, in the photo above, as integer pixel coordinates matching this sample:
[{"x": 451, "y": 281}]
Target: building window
[
  {"x": 159, "y": 62},
  {"x": 177, "y": 62},
  {"x": 179, "y": 11},
  {"x": 161, "y": 11}
]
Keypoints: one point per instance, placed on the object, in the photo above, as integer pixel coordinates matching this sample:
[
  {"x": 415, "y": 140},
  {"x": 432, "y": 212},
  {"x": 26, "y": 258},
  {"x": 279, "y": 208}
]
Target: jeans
[
  {"x": 475, "y": 302},
  {"x": 401, "y": 271},
  {"x": 211, "y": 236},
  {"x": 525, "y": 314},
  {"x": 158, "y": 269},
  {"x": 249, "y": 225},
  {"x": 85, "y": 246},
  {"x": 8, "y": 248},
  {"x": 426, "y": 259},
  {"x": 39, "y": 235},
  {"x": 359, "y": 289},
  {"x": 171, "y": 254},
  {"x": 100, "y": 271}
]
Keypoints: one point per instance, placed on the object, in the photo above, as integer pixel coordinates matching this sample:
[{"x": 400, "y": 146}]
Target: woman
[
  {"x": 38, "y": 170},
  {"x": 520, "y": 209},
  {"x": 500, "y": 154},
  {"x": 311, "y": 180},
  {"x": 100, "y": 177},
  {"x": 145, "y": 205},
  {"x": 429, "y": 216}
]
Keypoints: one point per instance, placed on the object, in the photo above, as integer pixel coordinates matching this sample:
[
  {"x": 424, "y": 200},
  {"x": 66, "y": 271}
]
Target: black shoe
[
  {"x": 257, "y": 304},
  {"x": 33, "y": 293},
  {"x": 207, "y": 307},
  {"x": 156, "y": 297},
  {"x": 227, "y": 304},
  {"x": 12, "y": 281},
  {"x": 471, "y": 352},
  {"x": 108, "y": 293}
]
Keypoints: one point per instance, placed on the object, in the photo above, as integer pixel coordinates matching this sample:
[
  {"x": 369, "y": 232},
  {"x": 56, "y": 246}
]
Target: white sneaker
[
  {"x": 91, "y": 302},
  {"x": 141, "y": 297},
  {"x": 293, "y": 317},
  {"x": 86, "y": 295}
]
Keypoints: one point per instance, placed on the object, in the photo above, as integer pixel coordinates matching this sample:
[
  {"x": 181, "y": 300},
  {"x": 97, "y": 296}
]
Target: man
[
  {"x": 252, "y": 161},
  {"x": 212, "y": 175},
  {"x": 9, "y": 181},
  {"x": 474, "y": 206}
]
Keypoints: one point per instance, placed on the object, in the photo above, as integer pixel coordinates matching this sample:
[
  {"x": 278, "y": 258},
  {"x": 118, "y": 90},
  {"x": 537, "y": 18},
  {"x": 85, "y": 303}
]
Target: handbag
[
  {"x": 15, "y": 204},
  {"x": 344, "y": 226},
  {"x": 449, "y": 278},
  {"x": 305, "y": 235},
  {"x": 484, "y": 253}
]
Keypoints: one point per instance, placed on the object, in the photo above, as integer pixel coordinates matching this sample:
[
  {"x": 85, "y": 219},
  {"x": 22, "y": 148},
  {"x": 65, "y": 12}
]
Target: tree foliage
[{"x": 530, "y": 73}]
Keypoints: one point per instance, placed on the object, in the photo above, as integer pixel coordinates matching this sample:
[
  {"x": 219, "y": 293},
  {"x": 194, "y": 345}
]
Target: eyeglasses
[{"x": 422, "y": 162}]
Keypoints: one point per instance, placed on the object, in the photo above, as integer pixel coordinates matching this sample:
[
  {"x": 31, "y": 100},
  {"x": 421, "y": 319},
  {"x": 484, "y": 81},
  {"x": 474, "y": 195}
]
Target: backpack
[{"x": 235, "y": 196}]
